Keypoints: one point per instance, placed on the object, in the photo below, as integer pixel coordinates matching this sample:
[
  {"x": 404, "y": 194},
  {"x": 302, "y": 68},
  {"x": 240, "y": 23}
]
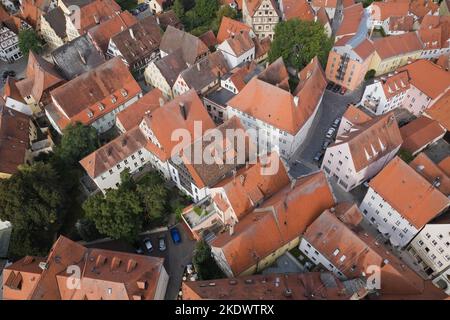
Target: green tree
[
  {"x": 204, "y": 263},
  {"x": 178, "y": 8},
  {"x": 205, "y": 10},
  {"x": 87, "y": 230},
  {"x": 29, "y": 40},
  {"x": 33, "y": 201},
  {"x": 154, "y": 199},
  {"x": 77, "y": 142},
  {"x": 118, "y": 214},
  {"x": 300, "y": 41}
]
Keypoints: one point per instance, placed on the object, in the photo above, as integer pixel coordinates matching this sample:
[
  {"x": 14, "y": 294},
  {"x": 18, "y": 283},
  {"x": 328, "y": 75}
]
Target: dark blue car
[{"x": 175, "y": 234}]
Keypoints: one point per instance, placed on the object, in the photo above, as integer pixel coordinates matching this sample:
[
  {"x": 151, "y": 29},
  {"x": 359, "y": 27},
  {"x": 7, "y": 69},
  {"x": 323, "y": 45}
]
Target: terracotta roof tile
[
  {"x": 300, "y": 9},
  {"x": 276, "y": 222},
  {"x": 351, "y": 19},
  {"x": 356, "y": 116},
  {"x": 95, "y": 12},
  {"x": 440, "y": 110},
  {"x": 169, "y": 18},
  {"x": 445, "y": 165},
  {"x": 228, "y": 27},
  {"x": 431, "y": 171},
  {"x": 396, "y": 45},
  {"x": 420, "y": 8},
  {"x": 324, "y": 3},
  {"x": 420, "y": 132},
  {"x": 240, "y": 43},
  {"x": 403, "y": 23},
  {"x": 209, "y": 39},
  {"x": 384, "y": 10},
  {"x": 396, "y": 84},
  {"x": 409, "y": 193}
]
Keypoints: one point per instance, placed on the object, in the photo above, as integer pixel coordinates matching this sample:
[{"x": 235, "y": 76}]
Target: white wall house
[
  {"x": 238, "y": 49},
  {"x": 9, "y": 45}
]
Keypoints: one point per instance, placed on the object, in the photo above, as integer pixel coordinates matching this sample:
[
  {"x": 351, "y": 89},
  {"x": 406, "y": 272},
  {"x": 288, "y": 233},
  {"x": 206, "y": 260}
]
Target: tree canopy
[
  {"x": 29, "y": 40},
  {"x": 204, "y": 263},
  {"x": 298, "y": 42}
]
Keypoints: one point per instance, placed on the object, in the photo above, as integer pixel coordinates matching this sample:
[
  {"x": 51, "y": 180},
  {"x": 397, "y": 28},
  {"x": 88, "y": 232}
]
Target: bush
[
  {"x": 204, "y": 263},
  {"x": 370, "y": 74}
]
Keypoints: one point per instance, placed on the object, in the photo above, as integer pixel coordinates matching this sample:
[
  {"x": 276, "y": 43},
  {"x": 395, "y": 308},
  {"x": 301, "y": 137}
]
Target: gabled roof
[
  {"x": 171, "y": 66},
  {"x": 76, "y": 57},
  {"x": 384, "y": 10},
  {"x": 133, "y": 115},
  {"x": 139, "y": 41},
  {"x": 239, "y": 43},
  {"x": 410, "y": 194},
  {"x": 41, "y": 75},
  {"x": 10, "y": 90},
  {"x": 403, "y": 23},
  {"x": 228, "y": 27},
  {"x": 209, "y": 39},
  {"x": 205, "y": 71},
  {"x": 396, "y": 45},
  {"x": 276, "y": 74},
  {"x": 417, "y": 72},
  {"x": 420, "y": 8},
  {"x": 57, "y": 21},
  {"x": 288, "y": 286},
  {"x": 169, "y": 18},
  {"x": 396, "y": 84},
  {"x": 106, "y": 87},
  {"x": 279, "y": 107},
  {"x": 95, "y": 12},
  {"x": 191, "y": 47},
  {"x": 420, "y": 132},
  {"x": 355, "y": 115},
  {"x": 440, "y": 110},
  {"x": 106, "y": 275},
  {"x": 444, "y": 164},
  {"x": 300, "y": 9},
  {"x": 253, "y": 5},
  {"x": 275, "y": 223},
  {"x": 351, "y": 20},
  {"x": 104, "y": 31},
  {"x": 250, "y": 186},
  {"x": 324, "y": 3},
  {"x": 372, "y": 140},
  {"x": 109, "y": 155},
  {"x": 433, "y": 172},
  {"x": 14, "y": 138},
  {"x": 241, "y": 75},
  {"x": 165, "y": 120}
]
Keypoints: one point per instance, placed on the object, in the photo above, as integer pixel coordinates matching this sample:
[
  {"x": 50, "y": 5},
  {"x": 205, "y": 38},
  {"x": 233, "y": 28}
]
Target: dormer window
[
  {"x": 90, "y": 114},
  {"x": 124, "y": 92},
  {"x": 113, "y": 99},
  {"x": 101, "y": 106}
]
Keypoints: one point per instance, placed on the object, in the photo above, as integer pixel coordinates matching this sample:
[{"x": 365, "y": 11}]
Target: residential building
[
  {"x": 158, "y": 6},
  {"x": 132, "y": 116},
  {"x": 13, "y": 98},
  {"x": 138, "y": 45},
  {"x": 262, "y": 16},
  {"x": 273, "y": 228},
  {"x": 102, "y": 33},
  {"x": 209, "y": 39},
  {"x": 434, "y": 33},
  {"x": 90, "y": 14},
  {"x": 216, "y": 104},
  {"x": 104, "y": 275},
  {"x": 322, "y": 17},
  {"x": 297, "y": 9},
  {"x": 386, "y": 93},
  {"x": 421, "y": 8},
  {"x": 204, "y": 75},
  {"x": 32, "y": 10},
  {"x": 395, "y": 51},
  {"x": 53, "y": 28},
  {"x": 436, "y": 174},
  {"x": 280, "y": 120},
  {"x": 195, "y": 174},
  {"x": 169, "y": 18},
  {"x": 288, "y": 286},
  {"x": 149, "y": 143},
  {"x": 41, "y": 77},
  {"x": 361, "y": 153},
  {"x": 349, "y": 60},
  {"x": 109, "y": 88},
  {"x": 9, "y": 45},
  {"x": 400, "y": 202},
  {"x": 237, "y": 49},
  {"x": 383, "y": 11},
  {"x": 398, "y": 25},
  {"x": 440, "y": 110},
  {"x": 192, "y": 48},
  {"x": 77, "y": 57},
  {"x": 164, "y": 72},
  {"x": 329, "y": 5},
  {"x": 238, "y": 77},
  {"x": 352, "y": 117},
  {"x": 420, "y": 133},
  {"x": 337, "y": 242},
  {"x": 17, "y": 132},
  {"x": 230, "y": 27}
]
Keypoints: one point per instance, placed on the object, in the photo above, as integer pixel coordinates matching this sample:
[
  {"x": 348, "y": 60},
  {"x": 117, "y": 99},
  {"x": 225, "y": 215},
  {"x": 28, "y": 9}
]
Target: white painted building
[
  {"x": 399, "y": 202},
  {"x": 359, "y": 155},
  {"x": 9, "y": 45},
  {"x": 262, "y": 16},
  {"x": 237, "y": 49}
]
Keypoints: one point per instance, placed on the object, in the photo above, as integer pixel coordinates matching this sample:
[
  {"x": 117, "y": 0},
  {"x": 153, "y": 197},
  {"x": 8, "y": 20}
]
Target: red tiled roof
[
  {"x": 300, "y": 9},
  {"x": 420, "y": 132},
  {"x": 396, "y": 84},
  {"x": 228, "y": 27},
  {"x": 396, "y": 45},
  {"x": 440, "y": 110},
  {"x": 431, "y": 171}
]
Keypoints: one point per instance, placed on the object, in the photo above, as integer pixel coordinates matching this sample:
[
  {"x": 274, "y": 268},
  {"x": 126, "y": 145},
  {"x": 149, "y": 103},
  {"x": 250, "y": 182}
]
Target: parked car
[
  {"x": 318, "y": 156},
  {"x": 336, "y": 88},
  {"x": 330, "y": 85},
  {"x": 148, "y": 244},
  {"x": 326, "y": 144},
  {"x": 175, "y": 234},
  {"x": 162, "y": 244},
  {"x": 135, "y": 12},
  {"x": 8, "y": 73},
  {"x": 336, "y": 122},
  {"x": 142, "y": 7},
  {"x": 330, "y": 132},
  {"x": 139, "y": 250}
]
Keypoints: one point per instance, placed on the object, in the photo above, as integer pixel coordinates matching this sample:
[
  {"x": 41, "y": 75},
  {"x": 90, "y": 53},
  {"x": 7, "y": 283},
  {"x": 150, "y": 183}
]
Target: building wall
[
  {"x": 431, "y": 248},
  {"x": 71, "y": 30},
  {"x": 154, "y": 6},
  {"x": 230, "y": 56},
  {"x": 318, "y": 258},
  {"x": 374, "y": 99},
  {"x": 443, "y": 281},
  {"x": 221, "y": 261},
  {"x": 264, "y": 19},
  {"x": 18, "y": 106},
  {"x": 382, "y": 66},
  {"x": 386, "y": 219},
  {"x": 9, "y": 45},
  {"x": 49, "y": 35},
  {"x": 161, "y": 287},
  {"x": 216, "y": 111},
  {"x": 416, "y": 101},
  {"x": 154, "y": 78}
]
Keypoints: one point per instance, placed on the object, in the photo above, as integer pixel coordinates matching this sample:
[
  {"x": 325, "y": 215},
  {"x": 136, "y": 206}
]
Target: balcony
[
  {"x": 201, "y": 215},
  {"x": 371, "y": 104}
]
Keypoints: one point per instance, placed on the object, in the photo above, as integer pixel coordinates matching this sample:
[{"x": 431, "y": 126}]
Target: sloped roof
[
  {"x": 240, "y": 43},
  {"x": 171, "y": 66},
  {"x": 420, "y": 132},
  {"x": 396, "y": 45},
  {"x": 228, "y": 27},
  {"x": 300, "y": 9},
  {"x": 396, "y": 84},
  {"x": 355, "y": 115},
  {"x": 57, "y": 21},
  {"x": 440, "y": 110},
  {"x": 409, "y": 193},
  {"x": 432, "y": 171},
  {"x": 96, "y": 12},
  {"x": 276, "y": 222}
]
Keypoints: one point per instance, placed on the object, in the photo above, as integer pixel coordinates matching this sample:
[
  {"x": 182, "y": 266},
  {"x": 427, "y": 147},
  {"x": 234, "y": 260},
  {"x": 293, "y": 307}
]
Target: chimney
[
  {"x": 161, "y": 102},
  {"x": 183, "y": 110},
  {"x": 231, "y": 229},
  {"x": 96, "y": 19},
  {"x": 132, "y": 34},
  {"x": 296, "y": 99}
]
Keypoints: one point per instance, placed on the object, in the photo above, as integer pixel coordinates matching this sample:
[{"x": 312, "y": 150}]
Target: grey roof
[
  {"x": 57, "y": 21},
  {"x": 139, "y": 40},
  {"x": 191, "y": 46},
  {"x": 76, "y": 57},
  {"x": 171, "y": 66},
  {"x": 220, "y": 96},
  {"x": 79, "y": 3}
]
